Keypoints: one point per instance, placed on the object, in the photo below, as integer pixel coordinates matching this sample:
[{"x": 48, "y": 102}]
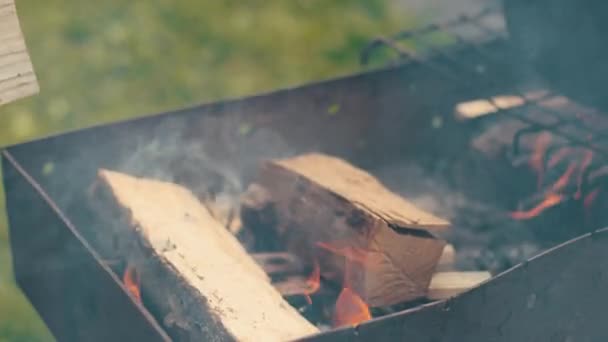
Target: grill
[
  {"x": 539, "y": 108},
  {"x": 403, "y": 112},
  {"x": 588, "y": 133}
]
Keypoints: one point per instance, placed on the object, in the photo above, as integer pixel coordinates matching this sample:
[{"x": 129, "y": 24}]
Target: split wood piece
[
  {"x": 447, "y": 259},
  {"x": 282, "y": 263},
  {"x": 322, "y": 203},
  {"x": 449, "y": 284},
  {"x": 477, "y": 108},
  {"x": 224, "y": 211},
  {"x": 222, "y": 294},
  {"x": 17, "y": 78},
  {"x": 443, "y": 284}
]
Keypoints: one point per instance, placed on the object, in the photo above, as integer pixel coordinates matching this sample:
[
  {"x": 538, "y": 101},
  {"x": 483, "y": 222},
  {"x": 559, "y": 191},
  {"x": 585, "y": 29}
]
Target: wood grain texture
[
  {"x": 449, "y": 284},
  {"x": 363, "y": 190},
  {"x": 321, "y": 200},
  {"x": 443, "y": 285},
  {"x": 230, "y": 295},
  {"x": 17, "y": 78}
]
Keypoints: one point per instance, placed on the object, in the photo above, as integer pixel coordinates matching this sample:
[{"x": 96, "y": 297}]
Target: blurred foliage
[{"x": 104, "y": 61}]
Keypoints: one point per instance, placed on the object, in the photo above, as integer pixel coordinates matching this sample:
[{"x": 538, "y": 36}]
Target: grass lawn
[{"x": 101, "y": 61}]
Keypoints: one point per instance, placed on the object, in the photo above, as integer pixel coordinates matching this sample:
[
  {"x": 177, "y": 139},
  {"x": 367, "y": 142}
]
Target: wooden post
[{"x": 17, "y": 78}]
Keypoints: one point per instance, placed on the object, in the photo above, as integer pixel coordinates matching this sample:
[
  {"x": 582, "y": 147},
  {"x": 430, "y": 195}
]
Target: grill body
[{"x": 371, "y": 119}]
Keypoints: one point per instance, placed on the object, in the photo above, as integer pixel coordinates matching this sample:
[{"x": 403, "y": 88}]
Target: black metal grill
[{"x": 576, "y": 126}]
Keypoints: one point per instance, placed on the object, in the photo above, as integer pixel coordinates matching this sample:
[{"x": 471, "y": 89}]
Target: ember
[
  {"x": 588, "y": 203},
  {"x": 131, "y": 280},
  {"x": 536, "y": 161},
  {"x": 563, "y": 181},
  {"x": 313, "y": 282},
  {"x": 587, "y": 159},
  {"x": 562, "y": 188},
  {"x": 550, "y": 201}
]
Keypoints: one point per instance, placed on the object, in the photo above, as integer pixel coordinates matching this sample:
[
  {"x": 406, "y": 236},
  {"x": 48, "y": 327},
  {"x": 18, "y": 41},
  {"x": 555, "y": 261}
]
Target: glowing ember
[
  {"x": 557, "y": 193},
  {"x": 565, "y": 178},
  {"x": 350, "y": 309},
  {"x": 587, "y": 159},
  {"x": 313, "y": 283},
  {"x": 560, "y": 155},
  {"x": 131, "y": 280},
  {"x": 538, "y": 154},
  {"x": 590, "y": 198},
  {"x": 550, "y": 201},
  {"x": 588, "y": 202}
]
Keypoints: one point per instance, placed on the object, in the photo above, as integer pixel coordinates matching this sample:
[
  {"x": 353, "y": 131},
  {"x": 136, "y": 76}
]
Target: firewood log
[
  {"x": 206, "y": 283},
  {"x": 447, "y": 259},
  {"x": 324, "y": 208},
  {"x": 443, "y": 284},
  {"x": 450, "y": 284}
]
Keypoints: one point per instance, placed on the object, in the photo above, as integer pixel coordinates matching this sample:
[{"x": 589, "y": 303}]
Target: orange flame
[
  {"x": 131, "y": 280},
  {"x": 536, "y": 161},
  {"x": 350, "y": 309},
  {"x": 313, "y": 283},
  {"x": 551, "y": 200}
]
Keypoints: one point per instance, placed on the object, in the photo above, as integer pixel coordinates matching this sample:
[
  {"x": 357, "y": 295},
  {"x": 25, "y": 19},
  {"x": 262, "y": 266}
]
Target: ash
[{"x": 484, "y": 236}]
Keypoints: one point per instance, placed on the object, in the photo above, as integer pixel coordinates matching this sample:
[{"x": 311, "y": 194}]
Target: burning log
[
  {"x": 282, "y": 263},
  {"x": 364, "y": 236},
  {"x": 206, "y": 283},
  {"x": 443, "y": 284}
]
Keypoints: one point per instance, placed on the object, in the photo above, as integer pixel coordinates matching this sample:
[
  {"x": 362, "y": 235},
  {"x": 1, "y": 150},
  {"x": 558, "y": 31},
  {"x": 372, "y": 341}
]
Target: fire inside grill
[{"x": 406, "y": 201}]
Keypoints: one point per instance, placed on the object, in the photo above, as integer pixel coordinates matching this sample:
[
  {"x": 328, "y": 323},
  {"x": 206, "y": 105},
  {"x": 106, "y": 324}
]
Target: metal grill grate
[{"x": 577, "y": 126}]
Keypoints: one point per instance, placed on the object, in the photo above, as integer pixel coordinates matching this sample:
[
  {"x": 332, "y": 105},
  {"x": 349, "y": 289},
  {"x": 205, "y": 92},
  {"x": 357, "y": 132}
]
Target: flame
[
  {"x": 556, "y": 194},
  {"x": 551, "y": 200},
  {"x": 313, "y": 282},
  {"x": 350, "y": 309},
  {"x": 538, "y": 154},
  {"x": 132, "y": 282}
]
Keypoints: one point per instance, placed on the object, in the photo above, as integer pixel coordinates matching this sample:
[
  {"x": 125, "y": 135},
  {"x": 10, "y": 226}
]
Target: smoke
[{"x": 483, "y": 235}]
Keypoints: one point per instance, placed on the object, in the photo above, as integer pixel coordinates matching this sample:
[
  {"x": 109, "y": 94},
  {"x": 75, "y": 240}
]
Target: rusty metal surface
[
  {"x": 77, "y": 296},
  {"x": 559, "y": 295}
]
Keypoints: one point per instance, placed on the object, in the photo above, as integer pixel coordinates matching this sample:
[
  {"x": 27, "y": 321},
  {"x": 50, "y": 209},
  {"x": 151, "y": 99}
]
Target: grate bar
[{"x": 474, "y": 79}]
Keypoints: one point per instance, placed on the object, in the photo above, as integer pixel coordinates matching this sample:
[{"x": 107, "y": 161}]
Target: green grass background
[{"x": 102, "y": 61}]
